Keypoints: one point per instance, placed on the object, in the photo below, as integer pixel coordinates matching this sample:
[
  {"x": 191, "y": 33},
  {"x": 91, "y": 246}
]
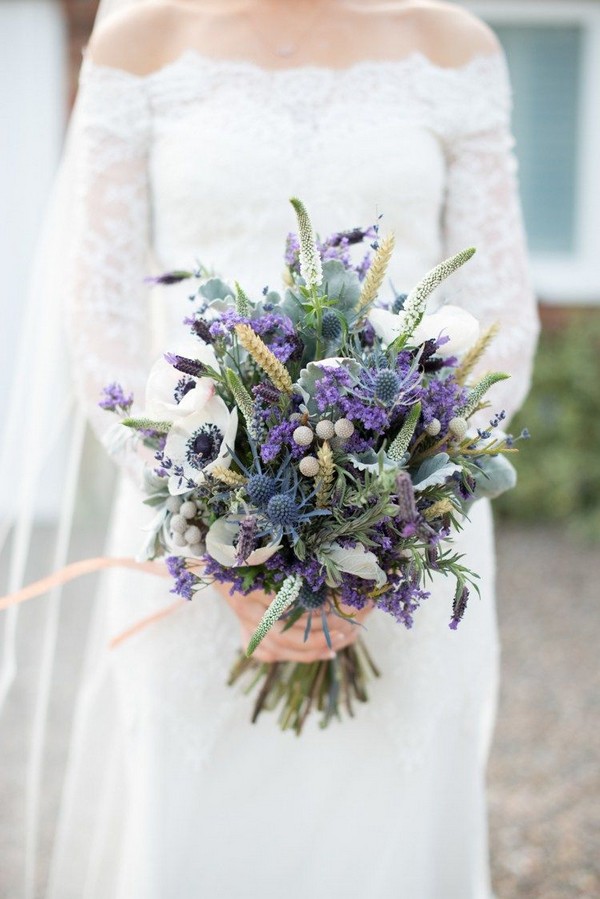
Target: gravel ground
[
  {"x": 543, "y": 776},
  {"x": 544, "y": 773}
]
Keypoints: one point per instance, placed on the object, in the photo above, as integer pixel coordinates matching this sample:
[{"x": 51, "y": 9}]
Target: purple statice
[
  {"x": 440, "y": 399},
  {"x": 185, "y": 581},
  {"x": 310, "y": 570},
  {"x": 357, "y": 444},
  {"x": 292, "y": 252},
  {"x": 226, "y": 322},
  {"x": 278, "y": 333},
  {"x": 236, "y": 577},
  {"x": 115, "y": 400},
  {"x": 372, "y": 417},
  {"x": 331, "y": 387},
  {"x": 353, "y": 591},
  {"x": 279, "y": 438},
  {"x": 404, "y": 599},
  {"x": 336, "y": 247},
  {"x": 276, "y": 330}
]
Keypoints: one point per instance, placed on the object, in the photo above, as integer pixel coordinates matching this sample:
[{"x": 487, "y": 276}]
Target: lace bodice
[{"x": 197, "y": 160}]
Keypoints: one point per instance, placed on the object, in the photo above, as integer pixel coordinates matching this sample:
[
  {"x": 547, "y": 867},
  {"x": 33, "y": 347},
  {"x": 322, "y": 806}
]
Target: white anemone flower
[
  {"x": 220, "y": 541},
  {"x": 356, "y": 560},
  {"x": 198, "y": 442},
  {"x": 387, "y": 325},
  {"x": 171, "y": 395},
  {"x": 450, "y": 321}
]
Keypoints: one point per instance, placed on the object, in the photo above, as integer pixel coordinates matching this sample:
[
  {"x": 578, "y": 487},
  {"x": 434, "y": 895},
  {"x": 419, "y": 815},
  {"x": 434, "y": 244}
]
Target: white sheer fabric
[{"x": 171, "y": 791}]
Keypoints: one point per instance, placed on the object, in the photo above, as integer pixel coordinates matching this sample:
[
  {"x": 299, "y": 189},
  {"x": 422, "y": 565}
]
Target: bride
[{"x": 198, "y": 120}]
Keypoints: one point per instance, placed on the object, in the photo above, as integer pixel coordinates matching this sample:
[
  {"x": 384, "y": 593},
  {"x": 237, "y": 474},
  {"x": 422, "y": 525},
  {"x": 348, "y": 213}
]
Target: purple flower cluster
[
  {"x": 336, "y": 246},
  {"x": 184, "y": 579},
  {"x": 440, "y": 399},
  {"x": 404, "y": 600},
  {"x": 279, "y": 438},
  {"x": 276, "y": 330},
  {"x": 331, "y": 387},
  {"x": 115, "y": 400}
]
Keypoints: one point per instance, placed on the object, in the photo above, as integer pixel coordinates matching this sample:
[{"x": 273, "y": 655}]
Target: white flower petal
[
  {"x": 160, "y": 402},
  {"x": 219, "y": 542},
  {"x": 387, "y": 325},
  {"x": 450, "y": 321},
  {"x": 220, "y": 545},
  {"x": 357, "y": 561}
]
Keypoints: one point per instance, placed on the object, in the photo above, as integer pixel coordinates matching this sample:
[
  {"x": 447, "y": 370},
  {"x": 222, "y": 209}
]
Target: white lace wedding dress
[{"x": 172, "y": 793}]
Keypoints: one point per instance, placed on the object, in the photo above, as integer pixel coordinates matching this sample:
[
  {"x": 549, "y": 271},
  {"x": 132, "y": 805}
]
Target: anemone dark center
[
  {"x": 203, "y": 446},
  {"x": 184, "y": 385}
]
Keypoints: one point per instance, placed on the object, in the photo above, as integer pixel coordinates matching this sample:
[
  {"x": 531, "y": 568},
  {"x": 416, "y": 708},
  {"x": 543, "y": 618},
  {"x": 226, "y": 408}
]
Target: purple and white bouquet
[{"x": 317, "y": 445}]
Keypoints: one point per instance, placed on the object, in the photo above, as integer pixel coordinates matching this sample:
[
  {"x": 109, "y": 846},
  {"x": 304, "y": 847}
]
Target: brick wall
[{"x": 80, "y": 18}]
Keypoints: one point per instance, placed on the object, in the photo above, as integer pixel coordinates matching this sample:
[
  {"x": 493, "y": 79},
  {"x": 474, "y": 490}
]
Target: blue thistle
[
  {"x": 311, "y": 599},
  {"x": 331, "y": 326},
  {"x": 282, "y": 509},
  {"x": 260, "y": 488},
  {"x": 398, "y": 304},
  {"x": 387, "y": 386}
]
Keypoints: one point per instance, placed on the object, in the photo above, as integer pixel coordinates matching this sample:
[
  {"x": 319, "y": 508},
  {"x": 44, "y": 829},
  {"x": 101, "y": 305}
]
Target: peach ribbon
[{"x": 89, "y": 566}]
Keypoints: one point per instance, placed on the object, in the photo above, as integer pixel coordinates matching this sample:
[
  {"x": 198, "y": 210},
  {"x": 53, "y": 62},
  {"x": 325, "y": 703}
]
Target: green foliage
[{"x": 559, "y": 470}]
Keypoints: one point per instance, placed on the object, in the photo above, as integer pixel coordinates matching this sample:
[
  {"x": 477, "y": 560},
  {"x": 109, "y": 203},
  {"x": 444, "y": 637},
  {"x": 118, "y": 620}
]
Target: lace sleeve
[
  {"x": 107, "y": 301},
  {"x": 483, "y": 209}
]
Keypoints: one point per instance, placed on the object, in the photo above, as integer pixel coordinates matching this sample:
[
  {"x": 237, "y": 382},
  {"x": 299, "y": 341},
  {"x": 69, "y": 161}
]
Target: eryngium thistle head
[
  {"x": 260, "y": 488},
  {"x": 331, "y": 326},
  {"x": 398, "y": 304},
  {"x": 387, "y": 386},
  {"x": 311, "y": 599},
  {"x": 282, "y": 509}
]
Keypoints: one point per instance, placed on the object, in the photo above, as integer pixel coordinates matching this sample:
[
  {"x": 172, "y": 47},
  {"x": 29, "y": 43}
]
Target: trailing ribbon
[{"x": 90, "y": 566}]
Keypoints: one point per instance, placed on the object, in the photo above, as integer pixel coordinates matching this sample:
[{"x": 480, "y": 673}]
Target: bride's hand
[{"x": 290, "y": 645}]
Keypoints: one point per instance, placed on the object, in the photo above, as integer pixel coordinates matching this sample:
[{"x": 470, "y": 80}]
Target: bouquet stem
[{"x": 331, "y": 686}]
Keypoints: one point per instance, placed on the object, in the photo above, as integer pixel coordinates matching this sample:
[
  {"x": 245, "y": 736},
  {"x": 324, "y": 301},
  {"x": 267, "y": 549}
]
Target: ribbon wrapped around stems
[{"x": 91, "y": 566}]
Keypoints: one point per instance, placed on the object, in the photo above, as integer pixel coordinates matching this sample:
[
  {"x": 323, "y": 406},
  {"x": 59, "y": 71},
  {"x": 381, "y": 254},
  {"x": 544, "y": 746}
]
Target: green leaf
[
  {"x": 146, "y": 424},
  {"x": 479, "y": 391}
]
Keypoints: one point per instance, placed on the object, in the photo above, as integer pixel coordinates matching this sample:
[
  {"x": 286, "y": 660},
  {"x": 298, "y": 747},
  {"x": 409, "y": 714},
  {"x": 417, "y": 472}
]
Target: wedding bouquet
[{"x": 318, "y": 446}]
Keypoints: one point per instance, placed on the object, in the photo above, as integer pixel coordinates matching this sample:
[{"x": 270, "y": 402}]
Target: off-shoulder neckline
[{"x": 198, "y": 59}]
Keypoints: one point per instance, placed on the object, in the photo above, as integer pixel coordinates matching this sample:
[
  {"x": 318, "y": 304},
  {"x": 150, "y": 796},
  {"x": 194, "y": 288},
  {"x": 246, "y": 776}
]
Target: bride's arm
[
  {"x": 106, "y": 298},
  {"x": 483, "y": 209}
]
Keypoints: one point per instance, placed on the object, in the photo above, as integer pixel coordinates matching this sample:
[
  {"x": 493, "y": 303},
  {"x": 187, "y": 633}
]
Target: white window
[{"x": 553, "y": 51}]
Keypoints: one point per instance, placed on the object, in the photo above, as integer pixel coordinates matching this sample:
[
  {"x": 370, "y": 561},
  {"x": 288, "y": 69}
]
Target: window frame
[{"x": 572, "y": 277}]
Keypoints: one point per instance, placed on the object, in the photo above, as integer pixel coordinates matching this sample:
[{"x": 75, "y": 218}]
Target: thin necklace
[{"x": 291, "y": 43}]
